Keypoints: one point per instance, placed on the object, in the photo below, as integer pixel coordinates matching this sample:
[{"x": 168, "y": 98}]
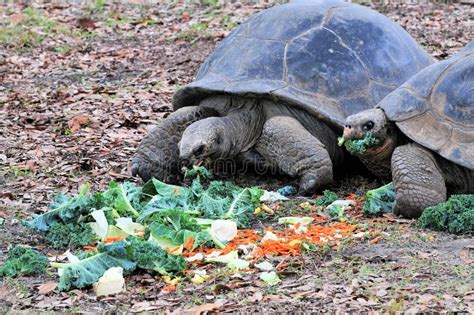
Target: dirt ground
[{"x": 80, "y": 86}]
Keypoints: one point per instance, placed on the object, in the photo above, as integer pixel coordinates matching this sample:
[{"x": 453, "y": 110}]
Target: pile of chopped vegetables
[{"x": 173, "y": 230}]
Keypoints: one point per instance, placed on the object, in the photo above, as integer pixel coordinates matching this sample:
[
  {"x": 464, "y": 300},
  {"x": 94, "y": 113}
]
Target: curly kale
[
  {"x": 23, "y": 261},
  {"x": 456, "y": 215},
  {"x": 150, "y": 256},
  {"x": 63, "y": 209},
  {"x": 359, "y": 146},
  {"x": 62, "y": 235},
  {"x": 379, "y": 200},
  {"x": 326, "y": 199}
]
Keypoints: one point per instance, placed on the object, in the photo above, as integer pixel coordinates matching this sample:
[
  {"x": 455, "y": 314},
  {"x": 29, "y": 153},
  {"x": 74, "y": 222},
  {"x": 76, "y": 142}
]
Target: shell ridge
[
  {"x": 329, "y": 14},
  {"x": 442, "y": 75}
]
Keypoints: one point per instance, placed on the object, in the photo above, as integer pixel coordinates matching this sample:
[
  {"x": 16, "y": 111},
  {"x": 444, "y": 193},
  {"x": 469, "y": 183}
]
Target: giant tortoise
[
  {"x": 282, "y": 84},
  {"x": 425, "y": 130}
]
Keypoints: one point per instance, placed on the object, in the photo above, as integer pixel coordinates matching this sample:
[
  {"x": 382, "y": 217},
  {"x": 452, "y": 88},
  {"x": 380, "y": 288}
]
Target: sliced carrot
[
  {"x": 169, "y": 288},
  {"x": 89, "y": 248},
  {"x": 113, "y": 239},
  {"x": 189, "y": 243}
]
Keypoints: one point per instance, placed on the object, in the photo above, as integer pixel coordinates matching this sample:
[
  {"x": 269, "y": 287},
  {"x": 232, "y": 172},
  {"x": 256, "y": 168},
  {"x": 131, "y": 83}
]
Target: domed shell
[
  {"x": 330, "y": 58},
  {"x": 435, "y": 108}
]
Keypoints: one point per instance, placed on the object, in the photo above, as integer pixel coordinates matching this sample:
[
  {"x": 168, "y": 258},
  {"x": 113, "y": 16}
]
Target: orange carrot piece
[{"x": 189, "y": 243}]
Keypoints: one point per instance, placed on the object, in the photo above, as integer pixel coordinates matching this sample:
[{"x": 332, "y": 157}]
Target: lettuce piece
[
  {"x": 232, "y": 261},
  {"x": 224, "y": 230},
  {"x": 23, "y": 261},
  {"x": 131, "y": 228},
  {"x": 63, "y": 209},
  {"x": 271, "y": 278},
  {"x": 112, "y": 282},
  {"x": 176, "y": 227},
  {"x": 295, "y": 220},
  {"x": 243, "y": 205},
  {"x": 125, "y": 198},
  {"x": 101, "y": 224},
  {"x": 167, "y": 245}
]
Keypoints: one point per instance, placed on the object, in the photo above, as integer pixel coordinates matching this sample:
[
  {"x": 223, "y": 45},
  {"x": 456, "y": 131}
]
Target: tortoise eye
[
  {"x": 199, "y": 150},
  {"x": 368, "y": 126}
]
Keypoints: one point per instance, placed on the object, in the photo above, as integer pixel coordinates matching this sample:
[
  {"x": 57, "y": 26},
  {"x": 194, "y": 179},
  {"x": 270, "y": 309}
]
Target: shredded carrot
[
  {"x": 89, "y": 248},
  {"x": 289, "y": 242},
  {"x": 351, "y": 196},
  {"x": 113, "y": 239},
  {"x": 169, "y": 288},
  {"x": 189, "y": 243}
]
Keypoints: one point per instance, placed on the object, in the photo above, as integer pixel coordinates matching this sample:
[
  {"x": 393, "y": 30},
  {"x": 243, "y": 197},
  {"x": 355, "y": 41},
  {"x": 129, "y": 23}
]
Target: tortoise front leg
[
  {"x": 296, "y": 152},
  {"x": 158, "y": 155},
  {"x": 418, "y": 180}
]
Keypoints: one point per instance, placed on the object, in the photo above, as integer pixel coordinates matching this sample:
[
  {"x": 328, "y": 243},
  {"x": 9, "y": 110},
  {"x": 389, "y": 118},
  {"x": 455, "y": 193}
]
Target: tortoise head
[
  {"x": 202, "y": 140},
  {"x": 374, "y": 121}
]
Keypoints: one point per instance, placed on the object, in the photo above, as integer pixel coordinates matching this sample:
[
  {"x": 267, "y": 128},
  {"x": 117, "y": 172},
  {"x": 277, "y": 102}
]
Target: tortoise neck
[
  {"x": 242, "y": 125},
  {"x": 378, "y": 159}
]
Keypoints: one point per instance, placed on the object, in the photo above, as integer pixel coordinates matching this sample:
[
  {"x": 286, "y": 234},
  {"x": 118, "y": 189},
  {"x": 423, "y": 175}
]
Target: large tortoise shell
[
  {"x": 327, "y": 57},
  {"x": 435, "y": 108}
]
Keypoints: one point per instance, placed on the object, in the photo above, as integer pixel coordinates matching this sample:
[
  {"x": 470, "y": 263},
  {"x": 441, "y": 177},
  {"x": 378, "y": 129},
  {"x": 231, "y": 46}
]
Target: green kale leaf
[
  {"x": 87, "y": 271},
  {"x": 150, "y": 256},
  {"x": 63, "y": 209},
  {"x": 23, "y": 261},
  {"x": 360, "y": 146},
  {"x": 456, "y": 215},
  {"x": 379, "y": 200},
  {"x": 326, "y": 199},
  {"x": 62, "y": 235}
]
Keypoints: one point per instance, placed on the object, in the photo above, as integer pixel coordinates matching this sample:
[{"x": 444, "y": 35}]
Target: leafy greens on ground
[
  {"x": 456, "y": 215},
  {"x": 379, "y": 200},
  {"x": 22, "y": 261},
  {"x": 166, "y": 216}
]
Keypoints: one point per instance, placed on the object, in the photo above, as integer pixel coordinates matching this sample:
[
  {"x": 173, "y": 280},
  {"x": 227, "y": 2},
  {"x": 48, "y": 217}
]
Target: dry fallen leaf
[
  {"x": 47, "y": 287},
  {"x": 78, "y": 121},
  {"x": 86, "y": 23},
  {"x": 467, "y": 254},
  {"x": 469, "y": 296},
  {"x": 209, "y": 307},
  {"x": 16, "y": 19}
]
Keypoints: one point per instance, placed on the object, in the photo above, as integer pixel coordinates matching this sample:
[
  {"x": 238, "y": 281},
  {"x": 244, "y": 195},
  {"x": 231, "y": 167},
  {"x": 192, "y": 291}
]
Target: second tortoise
[{"x": 425, "y": 130}]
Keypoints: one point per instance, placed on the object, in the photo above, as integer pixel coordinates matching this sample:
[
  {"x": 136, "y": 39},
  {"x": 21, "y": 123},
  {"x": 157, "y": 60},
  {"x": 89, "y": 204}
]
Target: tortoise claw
[{"x": 142, "y": 168}]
